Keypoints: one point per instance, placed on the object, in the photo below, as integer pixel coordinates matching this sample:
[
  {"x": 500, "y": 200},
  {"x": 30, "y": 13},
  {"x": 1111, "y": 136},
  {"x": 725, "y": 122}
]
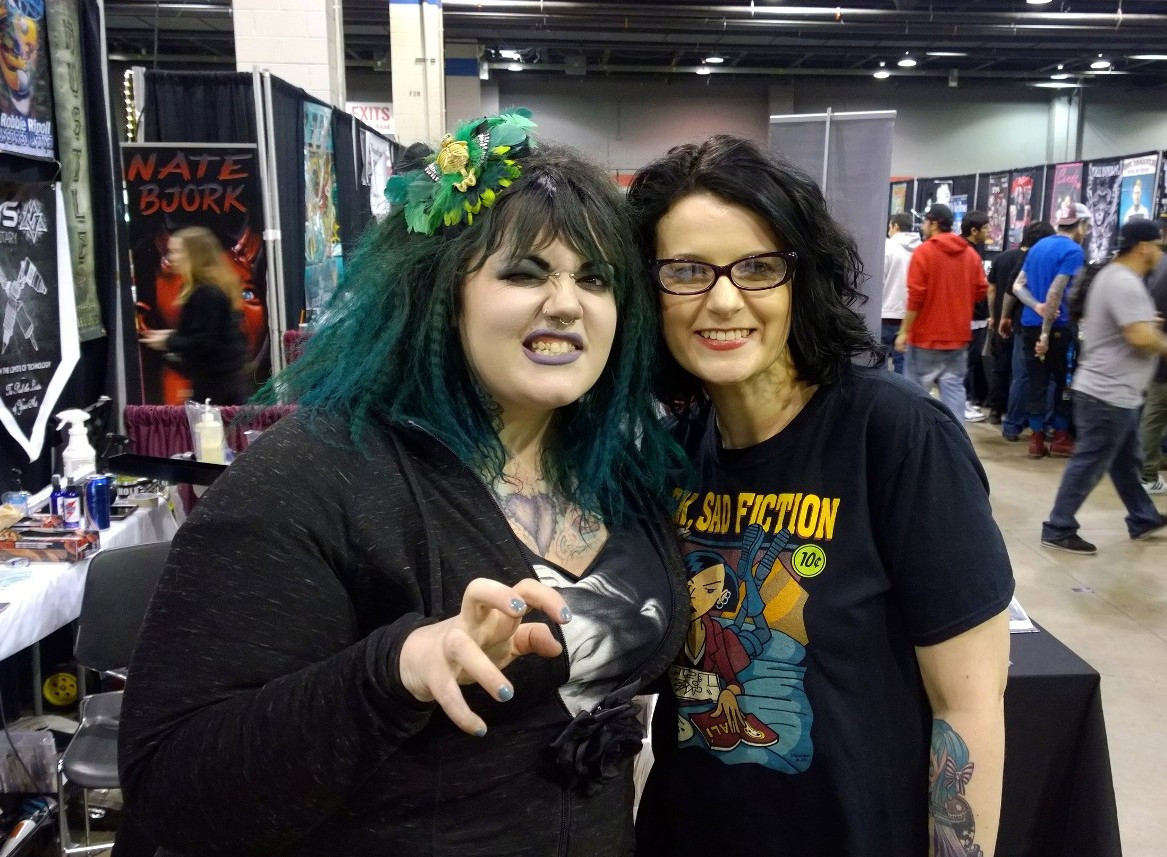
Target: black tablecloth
[{"x": 1058, "y": 797}]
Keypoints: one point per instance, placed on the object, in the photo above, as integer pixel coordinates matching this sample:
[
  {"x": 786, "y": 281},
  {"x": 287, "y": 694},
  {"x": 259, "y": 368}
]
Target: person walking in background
[
  {"x": 1008, "y": 386},
  {"x": 1046, "y": 332},
  {"x": 902, "y": 239},
  {"x": 1122, "y": 338},
  {"x": 1154, "y": 422},
  {"x": 208, "y": 346},
  {"x": 945, "y": 279},
  {"x": 974, "y": 229}
]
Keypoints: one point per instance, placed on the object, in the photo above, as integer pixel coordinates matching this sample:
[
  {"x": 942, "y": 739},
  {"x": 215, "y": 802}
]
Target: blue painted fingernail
[
  {"x": 518, "y": 605},
  {"x": 505, "y": 693},
  {"x": 480, "y": 732},
  {"x": 565, "y": 614}
]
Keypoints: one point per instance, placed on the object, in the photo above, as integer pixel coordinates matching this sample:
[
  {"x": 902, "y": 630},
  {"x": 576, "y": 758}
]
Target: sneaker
[
  {"x": 1150, "y": 531},
  {"x": 1062, "y": 446},
  {"x": 1010, "y": 436},
  {"x": 972, "y": 415},
  {"x": 1074, "y": 543},
  {"x": 1037, "y": 447},
  {"x": 1156, "y": 486},
  {"x": 994, "y": 418}
]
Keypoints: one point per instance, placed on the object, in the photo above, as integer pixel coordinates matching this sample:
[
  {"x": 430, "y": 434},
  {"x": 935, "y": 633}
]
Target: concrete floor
[{"x": 1110, "y": 608}]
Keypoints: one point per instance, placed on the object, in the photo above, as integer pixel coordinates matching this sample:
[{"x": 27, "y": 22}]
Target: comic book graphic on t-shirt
[{"x": 739, "y": 679}]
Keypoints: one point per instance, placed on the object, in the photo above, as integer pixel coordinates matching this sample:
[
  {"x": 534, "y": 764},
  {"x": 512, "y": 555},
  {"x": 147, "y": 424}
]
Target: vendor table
[
  {"x": 1058, "y": 796},
  {"x": 44, "y": 596}
]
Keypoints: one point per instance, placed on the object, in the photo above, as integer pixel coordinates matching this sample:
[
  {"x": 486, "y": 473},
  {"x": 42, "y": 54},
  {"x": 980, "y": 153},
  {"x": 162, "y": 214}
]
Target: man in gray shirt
[
  {"x": 1154, "y": 424},
  {"x": 1122, "y": 339}
]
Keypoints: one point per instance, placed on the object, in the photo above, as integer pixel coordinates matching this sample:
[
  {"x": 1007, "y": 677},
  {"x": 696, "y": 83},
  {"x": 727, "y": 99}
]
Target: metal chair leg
[{"x": 67, "y": 847}]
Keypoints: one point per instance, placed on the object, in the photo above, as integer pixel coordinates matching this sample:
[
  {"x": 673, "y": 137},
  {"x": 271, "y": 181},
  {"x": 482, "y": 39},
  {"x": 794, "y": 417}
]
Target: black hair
[
  {"x": 1035, "y": 231},
  {"x": 826, "y": 332},
  {"x": 699, "y": 560},
  {"x": 902, "y": 220},
  {"x": 973, "y": 220}
]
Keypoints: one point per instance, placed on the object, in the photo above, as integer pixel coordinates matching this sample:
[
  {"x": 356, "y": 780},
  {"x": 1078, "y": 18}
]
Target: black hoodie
[{"x": 265, "y": 715}]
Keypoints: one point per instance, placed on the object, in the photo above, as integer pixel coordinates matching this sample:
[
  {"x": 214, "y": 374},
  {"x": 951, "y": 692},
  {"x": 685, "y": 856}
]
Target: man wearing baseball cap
[
  {"x": 1045, "y": 326},
  {"x": 1122, "y": 338},
  {"x": 945, "y": 279}
]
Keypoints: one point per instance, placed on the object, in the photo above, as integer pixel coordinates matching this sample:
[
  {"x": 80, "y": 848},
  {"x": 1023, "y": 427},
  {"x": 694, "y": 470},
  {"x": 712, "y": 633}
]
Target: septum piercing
[{"x": 560, "y": 322}]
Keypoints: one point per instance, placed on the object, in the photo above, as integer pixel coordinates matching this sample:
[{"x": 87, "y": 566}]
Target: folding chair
[{"x": 118, "y": 586}]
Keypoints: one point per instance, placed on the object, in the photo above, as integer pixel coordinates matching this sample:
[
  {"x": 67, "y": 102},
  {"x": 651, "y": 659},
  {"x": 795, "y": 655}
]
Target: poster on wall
[
  {"x": 1138, "y": 188},
  {"x": 40, "y": 346},
  {"x": 997, "y": 208},
  {"x": 322, "y": 250},
  {"x": 172, "y": 186},
  {"x": 1102, "y": 192},
  {"x": 1020, "y": 205},
  {"x": 898, "y": 203},
  {"x": 959, "y": 206},
  {"x": 934, "y": 192},
  {"x": 26, "y": 96},
  {"x": 1066, "y": 190},
  {"x": 376, "y": 168},
  {"x": 1162, "y": 208}
]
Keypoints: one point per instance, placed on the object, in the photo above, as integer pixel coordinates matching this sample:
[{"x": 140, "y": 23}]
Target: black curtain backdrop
[
  {"x": 288, "y": 133},
  {"x": 199, "y": 107}
]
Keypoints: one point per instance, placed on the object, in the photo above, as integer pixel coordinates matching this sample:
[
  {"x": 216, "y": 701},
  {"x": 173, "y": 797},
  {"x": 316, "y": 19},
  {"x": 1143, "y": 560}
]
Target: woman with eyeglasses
[
  {"x": 411, "y": 619},
  {"x": 840, "y": 688}
]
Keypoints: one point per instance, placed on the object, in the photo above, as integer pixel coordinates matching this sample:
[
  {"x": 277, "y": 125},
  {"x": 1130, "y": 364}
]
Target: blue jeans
[
  {"x": 1107, "y": 442},
  {"x": 1015, "y": 419},
  {"x": 943, "y": 367},
  {"x": 887, "y": 336}
]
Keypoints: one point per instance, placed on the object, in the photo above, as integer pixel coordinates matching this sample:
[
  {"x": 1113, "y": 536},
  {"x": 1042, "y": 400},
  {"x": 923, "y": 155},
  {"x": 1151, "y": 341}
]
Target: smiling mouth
[
  {"x": 724, "y": 335},
  {"x": 547, "y": 347}
]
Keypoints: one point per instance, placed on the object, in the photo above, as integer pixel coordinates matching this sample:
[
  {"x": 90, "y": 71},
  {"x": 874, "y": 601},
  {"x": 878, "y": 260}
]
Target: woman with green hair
[{"x": 333, "y": 663}]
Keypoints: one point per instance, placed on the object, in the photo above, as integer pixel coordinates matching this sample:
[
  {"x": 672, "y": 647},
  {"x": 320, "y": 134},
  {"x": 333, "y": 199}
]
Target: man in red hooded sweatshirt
[{"x": 945, "y": 280}]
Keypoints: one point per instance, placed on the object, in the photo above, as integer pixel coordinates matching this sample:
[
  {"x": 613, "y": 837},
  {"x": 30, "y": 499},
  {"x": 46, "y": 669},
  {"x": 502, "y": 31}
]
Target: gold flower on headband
[{"x": 453, "y": 156}]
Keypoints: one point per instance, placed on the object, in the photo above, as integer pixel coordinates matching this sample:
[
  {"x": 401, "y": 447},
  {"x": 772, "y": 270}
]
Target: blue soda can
[{"x": 97, "y": 501}]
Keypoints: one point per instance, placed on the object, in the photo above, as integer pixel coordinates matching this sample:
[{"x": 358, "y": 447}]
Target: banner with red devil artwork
[{"x": 175, "y": 185}]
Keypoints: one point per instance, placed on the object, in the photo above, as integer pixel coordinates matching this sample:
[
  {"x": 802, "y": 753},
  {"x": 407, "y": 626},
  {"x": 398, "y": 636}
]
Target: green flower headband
[{"x": 465, "y": 175}]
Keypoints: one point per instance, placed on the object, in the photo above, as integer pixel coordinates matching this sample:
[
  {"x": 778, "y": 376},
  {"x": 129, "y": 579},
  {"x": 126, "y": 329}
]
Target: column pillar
[
  {"x": 416, "y": 50},
  {"x": 463, "y": 85},
  {"x": 300, "y": 41}
]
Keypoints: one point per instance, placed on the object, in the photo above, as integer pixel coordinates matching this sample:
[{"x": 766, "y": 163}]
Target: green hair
[{"x": 388, "y": 344}]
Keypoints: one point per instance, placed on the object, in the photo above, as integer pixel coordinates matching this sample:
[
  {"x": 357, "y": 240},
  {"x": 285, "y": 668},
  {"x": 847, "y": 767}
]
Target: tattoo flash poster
[
  {"x": 376, "y": 168},
  {"x": 1102, "y": 192},
  {"x": 898, "y": 200},
  {"x": 959, "y": 205},
  {"x": 1020, "y": 205},
  {"x": 1066, "y": 190},
  {"x": 322, "y": 249},
  {"x": 1138, "y": 188},
  {"x": 26, "y": 94},
  {"x": 40, "y": 343},
  {"x": 997, "y": 208},
  {"x": 171, "y": 186}
]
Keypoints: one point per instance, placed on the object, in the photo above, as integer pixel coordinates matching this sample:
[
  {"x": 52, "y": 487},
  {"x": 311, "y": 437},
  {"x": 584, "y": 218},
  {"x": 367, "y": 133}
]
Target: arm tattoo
[
  {"x": 1022, "y": 293},
  {"x": 1053, "y": 302},
  {"x": 949, "y": 772}
]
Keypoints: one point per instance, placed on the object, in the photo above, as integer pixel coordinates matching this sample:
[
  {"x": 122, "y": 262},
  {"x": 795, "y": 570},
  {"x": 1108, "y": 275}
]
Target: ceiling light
[
  {"x": 945, "y": 54},
  {"x": 514, "y": 67},
  {"x": 715, "y": 59},
  {"x": 881, "y": 73},
  {"x": 510, "y": 55},
  {"x": 1100, "y": 63},
  {"x": 1038, "y": 2},
  {"x": 906, "y": 62},
  {"x": 1148, "y": 57},
  {"x": 703, "y": 69},
  {"x": 1055, "y": 84},
  {"x": 1060, "y": 76}
]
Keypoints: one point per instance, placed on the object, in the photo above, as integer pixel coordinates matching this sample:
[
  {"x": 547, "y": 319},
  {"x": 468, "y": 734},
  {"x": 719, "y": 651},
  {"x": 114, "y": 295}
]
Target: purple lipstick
[{"x": 557, "y": 358}]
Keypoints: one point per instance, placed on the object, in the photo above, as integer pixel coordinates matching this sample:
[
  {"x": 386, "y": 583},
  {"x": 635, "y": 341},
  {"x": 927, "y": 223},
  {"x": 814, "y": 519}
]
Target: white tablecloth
[{"x": 50, "y": 597}]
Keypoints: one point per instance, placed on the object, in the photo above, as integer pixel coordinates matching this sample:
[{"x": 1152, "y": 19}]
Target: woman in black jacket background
[{"x": 208, "y": 347}]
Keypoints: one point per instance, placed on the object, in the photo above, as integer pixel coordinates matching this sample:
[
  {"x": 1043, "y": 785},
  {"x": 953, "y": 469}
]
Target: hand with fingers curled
[{"x": 477, "y": 644}]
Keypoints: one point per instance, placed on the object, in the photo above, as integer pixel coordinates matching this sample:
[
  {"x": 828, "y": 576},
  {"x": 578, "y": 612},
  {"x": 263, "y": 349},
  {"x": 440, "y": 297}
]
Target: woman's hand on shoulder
[{"x": 474, "y": 646}]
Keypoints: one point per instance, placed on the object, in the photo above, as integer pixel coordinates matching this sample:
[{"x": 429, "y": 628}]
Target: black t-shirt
[
  {"x": 1004, "y": 271},
  {"x": 1158, "y": 286},
  {"x": 817, "y": 561}
]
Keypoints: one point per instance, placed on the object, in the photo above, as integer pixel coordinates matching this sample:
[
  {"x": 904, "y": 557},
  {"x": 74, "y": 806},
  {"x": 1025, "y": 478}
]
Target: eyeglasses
[{"x": 754, "y": 273}]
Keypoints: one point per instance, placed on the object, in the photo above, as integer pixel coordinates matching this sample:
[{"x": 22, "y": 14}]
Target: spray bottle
[
  {"x": 210, "y": 436},
  {"x": 79, "y": 458}
]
